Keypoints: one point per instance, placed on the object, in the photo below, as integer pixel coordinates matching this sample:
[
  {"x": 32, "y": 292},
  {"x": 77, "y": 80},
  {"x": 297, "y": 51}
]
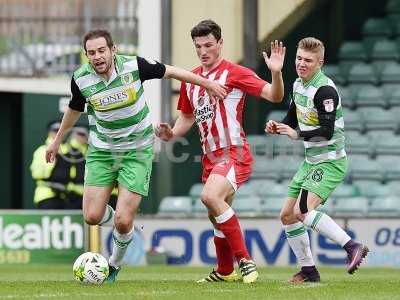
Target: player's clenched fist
[
  {"x": 270, "y": 127},
  {"x": 164, "y": 131}
]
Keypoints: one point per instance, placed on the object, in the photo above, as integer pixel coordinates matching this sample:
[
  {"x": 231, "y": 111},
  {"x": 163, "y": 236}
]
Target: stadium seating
[
  {"x": 334, "y": 72},
  {"x": 350, "y": 206},
  {"x": 391, "y": 168},
  {"x": 346, "y": 97},
  {"x": 375, "y": 29},
  {"x": 392, "y": 10},
  {"x": 371, "y": 189},
  {"x": 363, "y": 168},
  {"x": 272, "y": 206},
  {"x": 175, "y": 205},
  {"x": 362, "y": 73},
  {"x": 265, "y": 168},
  {"x": 384, "y": 207},
  {"x": 357, "y": 143},
  {"x": 272, "y": 190},
  {"x": 353, "y": 121},
  {"x": 261, "y": 144},
  {"x": 390, "y": 74},
  {"x": 370, "y": 95},
  {"x": 379, "y": 119},
  {"x": 195, "y": 191},
  {"x": 352, "y": 52},
  {"x": 393, "y": 98},
  {"x": 199, "y": 208},
  {"x": 345, "y": 190},
  {"x": 248, "y": 206},
  {"x": 383, "y": 53}
]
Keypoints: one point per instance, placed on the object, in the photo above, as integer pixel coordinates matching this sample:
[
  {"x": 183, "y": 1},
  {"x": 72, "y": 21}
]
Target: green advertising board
[{"x": 29, "y": 236}]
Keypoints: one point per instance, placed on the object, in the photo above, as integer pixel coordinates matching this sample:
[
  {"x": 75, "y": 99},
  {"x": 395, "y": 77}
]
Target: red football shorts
[{"x": 234, "y": 163}]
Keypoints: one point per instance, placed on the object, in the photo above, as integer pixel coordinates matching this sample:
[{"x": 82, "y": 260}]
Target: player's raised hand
[
  {"x": 277, "y": 57},
  {"x": 164, "y": 131},
  {"x": 287, "y": 130},
  {"x": 270, "y": 127},
  {"x": 51, "y": 152},
  {"x": 215, "y": 90}
]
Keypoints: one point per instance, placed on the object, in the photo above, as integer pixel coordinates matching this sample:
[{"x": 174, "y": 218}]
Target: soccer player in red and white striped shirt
[{"x": 227, "y": 160}]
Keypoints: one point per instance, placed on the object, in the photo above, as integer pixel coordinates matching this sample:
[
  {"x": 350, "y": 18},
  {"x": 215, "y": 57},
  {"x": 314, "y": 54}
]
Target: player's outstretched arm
[
  {"x": 69, "y": 119},
  {"x": 214, "y": 89},
  {"x": 182, "y": 125},
  {"x": 274, "y": 92}
]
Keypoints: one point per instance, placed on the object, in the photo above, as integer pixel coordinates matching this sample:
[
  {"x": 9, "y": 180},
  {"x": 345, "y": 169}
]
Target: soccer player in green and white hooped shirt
[
  {"x": 316, "y": 109},
  {"x": 121, "y": 133}
]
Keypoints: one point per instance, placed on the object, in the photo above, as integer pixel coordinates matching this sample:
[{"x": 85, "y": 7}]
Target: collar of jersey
[
  {"x": 315, "y": 78},
  {"x": 205, "y": 74}
]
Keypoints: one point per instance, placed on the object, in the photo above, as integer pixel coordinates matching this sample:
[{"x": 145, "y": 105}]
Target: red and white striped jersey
[{"x": 220, "y": 124}]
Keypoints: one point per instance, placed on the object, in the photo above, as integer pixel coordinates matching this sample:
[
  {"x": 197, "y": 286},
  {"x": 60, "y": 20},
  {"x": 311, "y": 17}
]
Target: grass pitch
[{"x": 162, "y": 282}]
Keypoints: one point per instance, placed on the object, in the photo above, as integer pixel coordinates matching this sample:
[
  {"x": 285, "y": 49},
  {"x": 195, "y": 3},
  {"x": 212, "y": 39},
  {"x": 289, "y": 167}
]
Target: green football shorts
[
  {"x": 320, "y": 179},
  {"x": 132, "y": 169}
]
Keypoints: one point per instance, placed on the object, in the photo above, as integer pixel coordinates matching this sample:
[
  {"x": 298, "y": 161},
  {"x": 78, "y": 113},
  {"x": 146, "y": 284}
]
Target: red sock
[
  {"x": 228, "y": 223},
  {"x": 224, "y": 256}
]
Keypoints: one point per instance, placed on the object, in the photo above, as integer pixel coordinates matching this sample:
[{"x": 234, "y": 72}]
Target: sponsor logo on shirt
[
  {"x": 114, "y": 98},
  {"x": 204, "y": 111}
]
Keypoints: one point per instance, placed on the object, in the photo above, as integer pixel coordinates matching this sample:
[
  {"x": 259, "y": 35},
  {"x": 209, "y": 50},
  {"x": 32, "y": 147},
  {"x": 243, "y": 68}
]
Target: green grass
[{"x": 56, "y": 282}]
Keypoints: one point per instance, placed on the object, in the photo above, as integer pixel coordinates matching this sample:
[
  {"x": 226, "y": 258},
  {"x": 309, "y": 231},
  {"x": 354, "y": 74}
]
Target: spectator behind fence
[{"x": 60, "y": 185}]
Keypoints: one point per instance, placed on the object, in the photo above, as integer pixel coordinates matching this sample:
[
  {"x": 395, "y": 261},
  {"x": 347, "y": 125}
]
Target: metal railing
[{"x": 43, "y": 37}]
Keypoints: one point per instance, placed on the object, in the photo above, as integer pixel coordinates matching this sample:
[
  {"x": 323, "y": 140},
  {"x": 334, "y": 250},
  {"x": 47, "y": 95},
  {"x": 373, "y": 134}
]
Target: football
[{"x": 90, "y": 268}]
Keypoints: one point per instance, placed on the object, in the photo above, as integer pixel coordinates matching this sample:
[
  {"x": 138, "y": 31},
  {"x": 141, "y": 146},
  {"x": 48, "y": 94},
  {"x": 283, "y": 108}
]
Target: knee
[
  {"x": 92, "y": 217},
  {"x": 122, "y": 223},
  {"x": 286, "y": 217},
  {"x": 208, "y": 199}
]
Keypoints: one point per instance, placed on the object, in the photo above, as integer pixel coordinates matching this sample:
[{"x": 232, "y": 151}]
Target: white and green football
[{"x": 91, "y": 268}]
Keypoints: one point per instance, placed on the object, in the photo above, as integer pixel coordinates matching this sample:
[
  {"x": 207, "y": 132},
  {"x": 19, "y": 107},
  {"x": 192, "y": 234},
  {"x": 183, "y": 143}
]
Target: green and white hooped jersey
[
  {"x": 119, "y": 118},
  {"x": 307, "y": 117}
]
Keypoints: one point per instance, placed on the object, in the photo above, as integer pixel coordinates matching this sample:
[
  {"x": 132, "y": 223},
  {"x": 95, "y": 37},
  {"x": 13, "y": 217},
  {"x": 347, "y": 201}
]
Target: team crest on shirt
[
  {"x": 328, "y": 105},
  {"x": 200, "y": 101},
  {"x": 127, "y": 78}
]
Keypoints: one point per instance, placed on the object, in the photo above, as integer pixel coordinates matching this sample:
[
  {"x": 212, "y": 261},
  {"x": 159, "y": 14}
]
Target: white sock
[
  {"x": 108, "y": 218},
  {"x": 120, "y": 245},
  {"x": 322, "y": 223},
  {"x": 299, "y": 241}
]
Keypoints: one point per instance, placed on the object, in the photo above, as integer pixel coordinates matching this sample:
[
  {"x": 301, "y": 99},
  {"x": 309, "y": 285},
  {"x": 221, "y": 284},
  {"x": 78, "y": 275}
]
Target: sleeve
[
  {"x": 184, "y": 104},
  {"x": 77, "y": 101},
  {"x": 247, "y": 81},
  {"x": 291, "y": 116},
  {"x": 326, "y": 100},
  {"x": 150, "y": 69}
]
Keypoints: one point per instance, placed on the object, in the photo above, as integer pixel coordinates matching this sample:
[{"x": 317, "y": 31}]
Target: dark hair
[
  {"x": 98, "y": 33},
  {"x": 206, "y": 27}
]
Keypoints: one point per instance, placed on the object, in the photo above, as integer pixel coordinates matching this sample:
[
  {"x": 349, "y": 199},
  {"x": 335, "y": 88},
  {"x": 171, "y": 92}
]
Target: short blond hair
[{"x": 313, "y": 45}]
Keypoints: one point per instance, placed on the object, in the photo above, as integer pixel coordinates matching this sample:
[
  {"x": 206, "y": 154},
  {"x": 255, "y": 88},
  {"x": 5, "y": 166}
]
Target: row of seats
[
  {"x": 257, "y": 198},
  {"x": 372, "y": 119},
  {"x": 373, "y": 143},
  {"x": 377, "y": 72},
  {"x": 359, "y": 96},
  {"x": 382, "y": 169},
  {"x": 363, "y": 119}
]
